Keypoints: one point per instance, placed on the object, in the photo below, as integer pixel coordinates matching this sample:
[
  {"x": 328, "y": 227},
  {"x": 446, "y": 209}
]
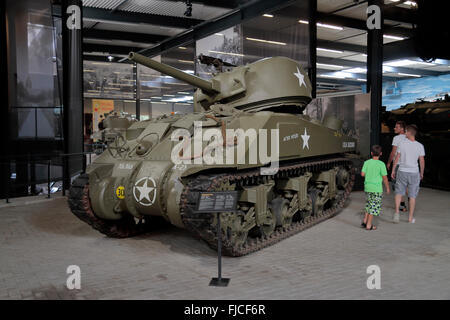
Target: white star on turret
[
  {"x": 301, "y": 78},
  {"x": 305, "y": 138}
]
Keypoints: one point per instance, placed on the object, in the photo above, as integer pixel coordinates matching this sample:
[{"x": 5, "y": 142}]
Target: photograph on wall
[{"x": 353, "y": 110}]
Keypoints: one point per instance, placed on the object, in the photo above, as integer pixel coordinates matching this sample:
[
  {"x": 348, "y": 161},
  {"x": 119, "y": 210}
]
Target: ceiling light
[
  {"x": 329, "y": 65},
  {"x": 425, "y": 63},
  {"x": 219, "y": 34},
  {"x": 356, "y": 70},
  {"x": 186, "y": 61},
  {"x": 229, "y": 53},
  {"x": 330, "y": 76},
  {"x": 110, "y": 58},
  {"x": 410, "y": 3},
  {"x": 338, "y": 75},
  {"x": 323, "y": 25},
  {"x": 329, "y": 50},
  {"x": 399, "y": 63},
  {"x": 392, "y": 37},
  {"x": 409, "y": 75},
  {"x": 267, "y": 41},
  {"x": 182, "y": 48},
  {"x": 268, "y": 15},
  {"x": 329, "y": 26}
]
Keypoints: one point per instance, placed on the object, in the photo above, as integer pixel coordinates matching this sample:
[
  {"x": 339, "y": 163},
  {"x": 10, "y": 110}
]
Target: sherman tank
[{"x": 158, "y": 167}]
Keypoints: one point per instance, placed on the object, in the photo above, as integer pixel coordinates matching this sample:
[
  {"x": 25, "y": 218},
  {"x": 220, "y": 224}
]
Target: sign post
[{"x": 218, "y": 202}]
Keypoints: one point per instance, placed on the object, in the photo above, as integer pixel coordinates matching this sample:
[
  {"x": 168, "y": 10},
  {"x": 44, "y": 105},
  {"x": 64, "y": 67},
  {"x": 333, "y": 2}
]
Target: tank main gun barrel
[{"x": 205, "y": 85}]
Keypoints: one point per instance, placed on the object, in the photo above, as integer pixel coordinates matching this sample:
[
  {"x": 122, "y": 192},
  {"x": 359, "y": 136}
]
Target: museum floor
[{"x": 39, "y": 240}]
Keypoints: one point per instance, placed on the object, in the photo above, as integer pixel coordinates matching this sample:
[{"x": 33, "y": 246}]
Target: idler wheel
[{"x": 268, "y": 224}]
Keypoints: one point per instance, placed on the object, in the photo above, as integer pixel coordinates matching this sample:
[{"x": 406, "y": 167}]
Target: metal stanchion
[
  {"x": 9, "y": 181},
  {"x": 48, "y": 178},
  {"x": 219, "y": 281}
]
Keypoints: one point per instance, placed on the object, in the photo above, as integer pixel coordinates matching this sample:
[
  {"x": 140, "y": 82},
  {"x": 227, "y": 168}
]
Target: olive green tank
[{"x": 247, "y": 134}]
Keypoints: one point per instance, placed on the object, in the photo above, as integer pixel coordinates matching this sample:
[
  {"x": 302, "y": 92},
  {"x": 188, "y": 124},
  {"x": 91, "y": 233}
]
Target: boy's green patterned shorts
[{"x": 373, "y": 203}]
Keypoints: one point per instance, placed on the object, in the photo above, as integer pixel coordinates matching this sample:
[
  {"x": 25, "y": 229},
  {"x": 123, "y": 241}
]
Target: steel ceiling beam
[
  {"x": 360, "y": 24},
  {"x": 111, "y": 49},
  {"x": 120, "y": 35},
  {"x": 400, "y": 14},
  {"x": 399, "y": 49},
  {"x": 227, "y": 4},
  {"x": 137, "y": 18},
  {"x": 339, "y": 81},
  {"x": 341, "y": 46}
]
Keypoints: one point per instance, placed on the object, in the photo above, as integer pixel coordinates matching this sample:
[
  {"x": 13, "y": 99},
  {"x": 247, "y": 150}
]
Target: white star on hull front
[{"x": 145, "y": 194}]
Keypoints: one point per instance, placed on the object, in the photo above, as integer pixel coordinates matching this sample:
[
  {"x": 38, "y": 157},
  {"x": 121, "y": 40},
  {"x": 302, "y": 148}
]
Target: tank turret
[{"x": 261, "y": 85}]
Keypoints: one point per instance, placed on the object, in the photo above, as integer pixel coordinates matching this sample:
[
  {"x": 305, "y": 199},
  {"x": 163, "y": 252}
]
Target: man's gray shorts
[{"x": 410, "y": 180}]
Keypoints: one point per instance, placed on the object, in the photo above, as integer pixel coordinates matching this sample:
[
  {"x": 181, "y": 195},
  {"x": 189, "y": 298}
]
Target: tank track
[
  {"x": 80, "y": 205},
  {"x": 201, "y": 224}
]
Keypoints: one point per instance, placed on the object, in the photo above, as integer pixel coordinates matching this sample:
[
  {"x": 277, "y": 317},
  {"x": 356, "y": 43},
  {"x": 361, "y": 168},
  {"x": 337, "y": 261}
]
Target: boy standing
[
  {"x": 374, "y": 173},
  {"x": 408, "y": 175}
]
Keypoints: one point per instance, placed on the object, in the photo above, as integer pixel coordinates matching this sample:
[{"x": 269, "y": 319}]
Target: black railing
[{"x": 26, "y": 165}]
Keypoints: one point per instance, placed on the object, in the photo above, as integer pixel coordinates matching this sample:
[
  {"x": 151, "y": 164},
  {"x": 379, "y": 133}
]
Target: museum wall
[{"x": 353, "y": 110}]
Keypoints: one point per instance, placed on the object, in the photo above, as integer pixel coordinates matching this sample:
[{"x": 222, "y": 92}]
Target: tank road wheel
[
  {"x": 80, "y": 205},
  {"x": 233, "y": 226},
  {"x": 280, "y": 207},
  {"x": 317, "y": 203},
  {"x": 305, "y": 213},
  {"x": 342, "y": 178},
  {"x": 268, "y": 224}
]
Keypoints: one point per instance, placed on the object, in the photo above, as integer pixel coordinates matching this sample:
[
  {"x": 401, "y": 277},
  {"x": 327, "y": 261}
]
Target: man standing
[
  {"x": 408, "y": 175},
  {"x": 399, "y": 130}
]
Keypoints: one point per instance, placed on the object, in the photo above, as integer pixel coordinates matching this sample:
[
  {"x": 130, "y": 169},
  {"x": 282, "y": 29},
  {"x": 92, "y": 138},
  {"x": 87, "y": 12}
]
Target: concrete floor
[{"x": 39, "y": 240}]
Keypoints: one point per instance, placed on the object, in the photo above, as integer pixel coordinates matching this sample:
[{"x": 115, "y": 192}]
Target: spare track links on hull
[{"x": 203, "y": 225}]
